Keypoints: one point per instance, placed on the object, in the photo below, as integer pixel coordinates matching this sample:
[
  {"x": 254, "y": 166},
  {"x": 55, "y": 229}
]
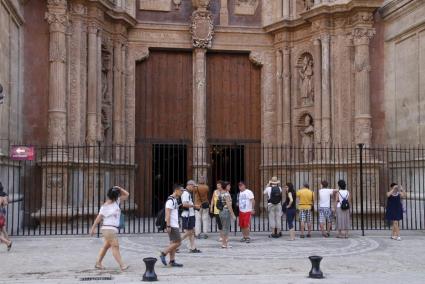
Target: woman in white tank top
[{"x": 109, "y": 215}]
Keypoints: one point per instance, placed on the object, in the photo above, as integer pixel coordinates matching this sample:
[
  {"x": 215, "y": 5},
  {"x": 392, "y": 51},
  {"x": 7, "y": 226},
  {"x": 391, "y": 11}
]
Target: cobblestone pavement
[{"x": 372, "y": 259}]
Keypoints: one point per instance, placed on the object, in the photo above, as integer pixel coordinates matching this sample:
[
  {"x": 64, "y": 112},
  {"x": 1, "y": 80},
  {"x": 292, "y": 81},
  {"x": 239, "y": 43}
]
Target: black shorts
[
  {"x": 188, "y": 223},
  {"x": 218, "y": 221}
]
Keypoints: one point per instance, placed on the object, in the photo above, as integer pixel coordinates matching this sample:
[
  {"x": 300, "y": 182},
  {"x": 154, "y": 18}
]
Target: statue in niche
[
  {"x": 307, "y": 138},
  {"x": 307, "y": 82}
]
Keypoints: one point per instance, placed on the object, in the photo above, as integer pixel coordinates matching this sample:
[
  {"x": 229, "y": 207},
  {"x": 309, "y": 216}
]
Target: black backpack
[
  {"x": 220, "y": 203},
  {"x": 344, "y": 203},
  {"x": 160, "y": 217},
  {"x": 275, "y": 195}
]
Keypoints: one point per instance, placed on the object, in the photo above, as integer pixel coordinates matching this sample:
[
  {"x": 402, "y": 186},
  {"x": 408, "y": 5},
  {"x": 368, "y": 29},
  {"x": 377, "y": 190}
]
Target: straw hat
[{"x": 274, "y": 180}]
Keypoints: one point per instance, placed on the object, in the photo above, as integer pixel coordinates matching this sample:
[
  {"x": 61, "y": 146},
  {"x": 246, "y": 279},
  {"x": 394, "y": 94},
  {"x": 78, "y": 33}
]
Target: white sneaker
[{"x": 398, "y": 238}]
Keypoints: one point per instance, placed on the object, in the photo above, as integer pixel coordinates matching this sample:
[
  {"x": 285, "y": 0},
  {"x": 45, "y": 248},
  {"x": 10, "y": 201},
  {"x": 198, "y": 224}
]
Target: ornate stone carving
[
  {"x": 57, "y": 3},
  {"x": 57, "y": 131},
  {"x": 56, "y": 52},
  {"x": 106, "y": 109},
  {"x": 363, "y": 131},
  {"x": 79, "y": 9},
  {"x": 362, "y": 36},
  {"x": 201, "y": 4},
  {"x": 246, "y": 7},
  {"x": 256, "y": 58},
  {"x": 306, "y": 83},
  {"x": 202, "y": 29}
]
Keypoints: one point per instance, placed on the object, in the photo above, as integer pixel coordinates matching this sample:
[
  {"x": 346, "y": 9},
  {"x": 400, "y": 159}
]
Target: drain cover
[{"x": 98, "y": 278}]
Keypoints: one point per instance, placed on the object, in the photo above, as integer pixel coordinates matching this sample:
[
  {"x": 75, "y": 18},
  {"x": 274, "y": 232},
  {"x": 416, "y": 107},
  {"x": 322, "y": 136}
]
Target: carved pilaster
[
  {"x": 326, "y": 92},
  {"x": 118, "y": 107},
  {"x": 76, "y": 95},
  {"x": 279, "y": 96},
  {"x": 287, "y": 96},
  {"x": 92, "y": 83},
  {"x": 362, "y": 127},
  {"x": 317, "y": 91},
  {"x": 137, "y": 53},
  {"x": 58, "y": 20}
]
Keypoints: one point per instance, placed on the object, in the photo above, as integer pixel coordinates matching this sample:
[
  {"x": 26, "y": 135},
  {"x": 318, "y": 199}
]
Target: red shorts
[{"x": 244, "y": 219}]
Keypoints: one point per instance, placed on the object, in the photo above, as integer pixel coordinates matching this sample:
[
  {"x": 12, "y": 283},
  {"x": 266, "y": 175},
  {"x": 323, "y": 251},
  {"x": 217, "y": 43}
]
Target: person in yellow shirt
[{"x": 305, "y": 205}]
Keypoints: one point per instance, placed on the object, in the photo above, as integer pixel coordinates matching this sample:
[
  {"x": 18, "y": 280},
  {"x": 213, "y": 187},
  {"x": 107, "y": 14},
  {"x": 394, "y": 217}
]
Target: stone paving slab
[{"x": 371, "y": 259}]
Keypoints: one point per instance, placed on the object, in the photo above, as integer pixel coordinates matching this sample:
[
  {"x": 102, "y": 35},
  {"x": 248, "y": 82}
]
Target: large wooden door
[
  {"x": 233, "y": 98},
  {"x": 234, "y": 118},
  {"x": 163, "y": 116}
]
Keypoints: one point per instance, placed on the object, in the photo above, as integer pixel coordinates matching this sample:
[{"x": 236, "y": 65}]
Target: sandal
[
  {"x": 340, "y": 237},
  {"x": 243, "y": 240},
  {"x": 247, "y": 240},
  {"x": 9, "y": 247},
  {"x": 99, "y": 266},
  {"x": 302, "y": 237},
  {"x": 124, "y": 268}
]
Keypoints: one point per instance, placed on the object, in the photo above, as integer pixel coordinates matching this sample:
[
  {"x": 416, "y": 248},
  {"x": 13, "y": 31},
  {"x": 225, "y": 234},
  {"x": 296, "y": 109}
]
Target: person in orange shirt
[{"x": 305, "y": 205}]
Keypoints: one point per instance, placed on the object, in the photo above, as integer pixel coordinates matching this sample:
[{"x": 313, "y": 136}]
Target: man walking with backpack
[
  {"x": 306, "y": 202},
  {"x": 188, "y": 216},
  {"x": 274, "y": 200},
  {"x": 172, "y": 225}
]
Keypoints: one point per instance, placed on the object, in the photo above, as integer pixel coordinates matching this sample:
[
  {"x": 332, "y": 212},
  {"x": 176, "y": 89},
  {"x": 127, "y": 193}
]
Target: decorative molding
[
  {"x": 79, "y": 9},
  {"x": 139, "y": 53},
  {"x": 202, "y": 29}
]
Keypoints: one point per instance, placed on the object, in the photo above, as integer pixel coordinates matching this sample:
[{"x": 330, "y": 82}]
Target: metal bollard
[
  {"x": 315, "y": 271},
  {"x": 150, "y": 275}
]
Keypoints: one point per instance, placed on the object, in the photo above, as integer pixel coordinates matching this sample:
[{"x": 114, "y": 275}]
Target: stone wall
[
  {"x": 10, "y": 73},
  {"x": 404, "y": 87}
]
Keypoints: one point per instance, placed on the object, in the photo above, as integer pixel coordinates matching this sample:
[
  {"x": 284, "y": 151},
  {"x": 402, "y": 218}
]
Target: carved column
[
  {"x": 199, "y": 113},
  {"x": 279, "y": 95},
  {"x": 76, "y": 96},
  {"x": 58, "y": 21},
  {"x": 326, "y": 92},
  {"x": 317, "y": 92},
  {"x": 362, "y": 119},
  {"x": 224, "y": 13},
  {"x": 287, "y": 96},
  {"x": 278, "y": 10},
  {"x": 118, "y": 107},
  {"x": 92, "y": 78}
]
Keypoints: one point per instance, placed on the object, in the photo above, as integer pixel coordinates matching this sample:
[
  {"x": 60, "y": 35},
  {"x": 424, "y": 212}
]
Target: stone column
[
  {"x": 267, "y": 12},
  {"x": 92, "y": 77},
  {"x": 199, "y": 114},
  {"x": 287, "y": 96},
  {"x": 362, "y": 119},
  {"x": 279, "y": 95},
  {"x": 294, "y": 9},
  {"x": 278, "y": 13},
  {"x": 117, "y": 106},
  {"x": 326, "y": 92},
  {"x": 76, "y": 89},
  {"x": 224, "y": 13},
  {"x": 58, "y": 21},
  {"x": 317, "y": 92}
]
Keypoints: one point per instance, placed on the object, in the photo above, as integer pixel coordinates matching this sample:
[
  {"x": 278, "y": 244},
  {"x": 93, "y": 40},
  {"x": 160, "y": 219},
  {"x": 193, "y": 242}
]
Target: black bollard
[
  {"x": 315, "y": 271},
  {"x": 150, "y": 275}
]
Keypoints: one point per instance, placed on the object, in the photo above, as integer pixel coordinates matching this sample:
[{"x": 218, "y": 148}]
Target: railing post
[{"x": 361, "y": 145}]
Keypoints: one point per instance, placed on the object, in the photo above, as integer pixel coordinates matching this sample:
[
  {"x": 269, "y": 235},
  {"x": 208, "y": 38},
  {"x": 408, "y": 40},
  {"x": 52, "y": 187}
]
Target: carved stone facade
[{"x": 331, "y": 71}]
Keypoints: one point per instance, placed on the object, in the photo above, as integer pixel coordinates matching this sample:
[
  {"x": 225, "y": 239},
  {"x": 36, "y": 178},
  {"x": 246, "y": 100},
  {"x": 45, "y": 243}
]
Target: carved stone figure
[
  {"x": 307, "y": 138},
  {"x": 105, "y": 118},
  {"x": 307, "y": 82},
  {"x": 202, "y": 28}
]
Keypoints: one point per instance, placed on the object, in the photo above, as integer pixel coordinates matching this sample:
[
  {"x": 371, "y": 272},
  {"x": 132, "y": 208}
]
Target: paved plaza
[{"x": 372, "y": 259}]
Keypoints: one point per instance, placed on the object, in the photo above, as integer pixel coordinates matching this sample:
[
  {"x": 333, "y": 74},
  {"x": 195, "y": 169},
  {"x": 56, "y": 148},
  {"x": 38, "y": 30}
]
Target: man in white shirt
[
  {"x": 325, "y": 208},
  {"x": 246, "y": 208},
  {"x": 188, "y": 216},
  {"x": 172, "y": 221},
  {"x": 274, "y": 197}
]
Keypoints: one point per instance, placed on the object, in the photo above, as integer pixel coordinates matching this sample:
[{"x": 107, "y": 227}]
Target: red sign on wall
[{"x": 22, "y": 153}]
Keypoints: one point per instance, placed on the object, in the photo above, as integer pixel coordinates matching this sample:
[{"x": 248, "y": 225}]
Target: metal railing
[{"x": 62, "y": 189}]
